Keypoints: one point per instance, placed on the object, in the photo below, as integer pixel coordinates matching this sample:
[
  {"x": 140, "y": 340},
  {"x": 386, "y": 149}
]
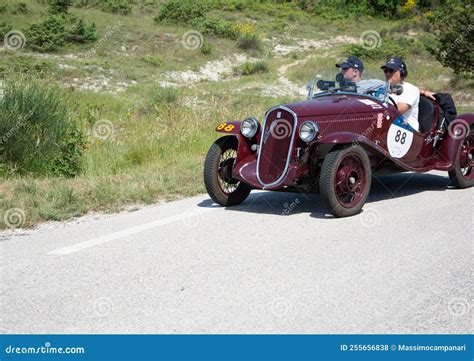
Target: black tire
[
  {"x": 463, "y": 177},
  {"x": 357, "y": 183},
  {"x": 215, "y": 183}
]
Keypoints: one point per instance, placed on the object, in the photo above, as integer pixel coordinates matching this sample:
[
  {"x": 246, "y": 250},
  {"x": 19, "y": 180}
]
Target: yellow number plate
[{"x": 225, "y": 127}]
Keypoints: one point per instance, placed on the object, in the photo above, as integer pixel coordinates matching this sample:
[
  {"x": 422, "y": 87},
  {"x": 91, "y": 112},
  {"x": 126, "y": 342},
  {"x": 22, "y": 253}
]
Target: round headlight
[
  {"x": 249, "y": 127},
  {"x": 308, "y": 131}
]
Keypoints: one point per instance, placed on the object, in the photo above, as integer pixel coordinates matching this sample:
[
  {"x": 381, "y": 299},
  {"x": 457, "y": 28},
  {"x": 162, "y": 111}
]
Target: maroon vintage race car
[{"x": 332, "y": 143}]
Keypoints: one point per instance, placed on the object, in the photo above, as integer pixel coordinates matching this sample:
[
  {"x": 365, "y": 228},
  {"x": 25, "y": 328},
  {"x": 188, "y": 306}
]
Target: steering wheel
[{"x": 393, "y": 101}]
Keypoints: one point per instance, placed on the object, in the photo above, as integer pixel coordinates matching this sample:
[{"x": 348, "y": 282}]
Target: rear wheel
[
  {"x": 462, "y": 176},
  {"x": 345, "y": 180},
  {"x": 221, "y": 187}
]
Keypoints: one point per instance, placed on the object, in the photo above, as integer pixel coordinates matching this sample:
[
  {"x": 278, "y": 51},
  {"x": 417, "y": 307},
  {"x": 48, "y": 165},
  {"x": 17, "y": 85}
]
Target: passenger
[{"x": 352, "y": 69}]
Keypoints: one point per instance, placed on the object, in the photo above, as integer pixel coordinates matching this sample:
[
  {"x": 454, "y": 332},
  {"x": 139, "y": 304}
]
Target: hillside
[{"x": 148, "y": 92}]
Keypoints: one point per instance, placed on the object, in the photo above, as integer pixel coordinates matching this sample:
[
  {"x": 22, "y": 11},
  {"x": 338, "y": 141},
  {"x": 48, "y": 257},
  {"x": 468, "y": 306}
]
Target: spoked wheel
[
  {"x": 345, "y": 181},
  {"x": 222, "y": 188},
  {"x": 462, "y": 176}
]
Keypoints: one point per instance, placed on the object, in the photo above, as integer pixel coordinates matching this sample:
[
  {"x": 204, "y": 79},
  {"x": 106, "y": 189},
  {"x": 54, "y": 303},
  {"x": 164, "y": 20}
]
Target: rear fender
[{"x": 464, "y": 123}]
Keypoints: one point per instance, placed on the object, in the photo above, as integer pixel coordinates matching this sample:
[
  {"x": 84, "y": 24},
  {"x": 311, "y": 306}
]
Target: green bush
[
  {"x": 386, "y": 49},
  {"x": 38, "y": 135},
  {"x": 59, "y": 6},
  {"x": 116, "y": 6},
  {"x": 49, "y": 35},
  {"x": 180, "y": 11},
  {"x": 57, "y": 30},
  {"x": 341, "y": 9},
  {"x": 249, "y": 68},
  {"x": 20, "y": 8},
  {"x": 206, "y": 48},
  {"x": 214, "y": 26},
  {"x": 81, "y": 33},
  {"x": 250, "y": 41}
]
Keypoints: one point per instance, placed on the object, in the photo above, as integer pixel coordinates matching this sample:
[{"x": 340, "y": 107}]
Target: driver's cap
[
  {"x": 352, "y": 62},
  {"x": 394, "y": 63}
]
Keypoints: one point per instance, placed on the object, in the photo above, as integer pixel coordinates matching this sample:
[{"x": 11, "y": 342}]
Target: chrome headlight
[
  {"x": 249, "y": 127},
  {"x": 308, "y": 130}
]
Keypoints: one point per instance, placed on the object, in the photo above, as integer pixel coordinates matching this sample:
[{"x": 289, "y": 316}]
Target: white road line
[{"x": 189, "y": 218}]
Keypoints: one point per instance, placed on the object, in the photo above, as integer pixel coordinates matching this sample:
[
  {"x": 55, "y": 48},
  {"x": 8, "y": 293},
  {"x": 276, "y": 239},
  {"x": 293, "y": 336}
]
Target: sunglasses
[{"x": 387, "y": 70}]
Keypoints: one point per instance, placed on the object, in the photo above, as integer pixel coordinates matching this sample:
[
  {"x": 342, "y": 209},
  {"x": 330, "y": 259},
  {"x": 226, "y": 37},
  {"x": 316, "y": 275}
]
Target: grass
[
  {"x": 157, "y": 137},
  {"x": 249, "y": 68}
]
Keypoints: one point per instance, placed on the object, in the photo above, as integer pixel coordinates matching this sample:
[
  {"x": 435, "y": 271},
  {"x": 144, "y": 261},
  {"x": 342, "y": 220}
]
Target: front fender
[{"x": 232, "y": 127}]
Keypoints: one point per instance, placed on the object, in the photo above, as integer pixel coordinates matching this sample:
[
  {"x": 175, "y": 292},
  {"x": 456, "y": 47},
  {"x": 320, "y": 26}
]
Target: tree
[{"x": 454, "y": 27}]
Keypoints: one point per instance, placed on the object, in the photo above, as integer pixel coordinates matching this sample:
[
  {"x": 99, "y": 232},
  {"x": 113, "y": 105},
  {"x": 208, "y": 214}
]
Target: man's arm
[
  {"x": 427, "y": 94},
  {"x": 403, "y": 107}
]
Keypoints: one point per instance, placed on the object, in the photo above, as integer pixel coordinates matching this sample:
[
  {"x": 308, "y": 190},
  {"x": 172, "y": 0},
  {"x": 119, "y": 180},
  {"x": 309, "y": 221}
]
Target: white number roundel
[{"x": 399, "y": 139}]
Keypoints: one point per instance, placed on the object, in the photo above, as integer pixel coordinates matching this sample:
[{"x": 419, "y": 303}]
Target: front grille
[{"x": 275, "y": 147}]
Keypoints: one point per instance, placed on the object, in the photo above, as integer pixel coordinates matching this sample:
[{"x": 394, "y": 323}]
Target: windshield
[{"x": 373, "y": 87}]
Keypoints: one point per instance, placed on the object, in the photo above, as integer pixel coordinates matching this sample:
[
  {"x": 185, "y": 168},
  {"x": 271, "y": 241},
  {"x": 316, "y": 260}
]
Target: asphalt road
[{"x": 274, "y": 264}]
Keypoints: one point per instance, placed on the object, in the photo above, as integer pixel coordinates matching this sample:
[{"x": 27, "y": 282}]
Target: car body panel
[{"x": 342, "y": 119}]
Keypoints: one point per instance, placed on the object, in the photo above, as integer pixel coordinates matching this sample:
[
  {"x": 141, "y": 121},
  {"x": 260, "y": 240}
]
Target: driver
[
  {"x": 396, "y": 71},
  {"x": 352, "y": 69}
]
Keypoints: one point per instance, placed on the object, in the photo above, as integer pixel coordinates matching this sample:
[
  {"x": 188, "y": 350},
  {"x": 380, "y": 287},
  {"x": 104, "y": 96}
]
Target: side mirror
[{"x": 310, "y": 88}]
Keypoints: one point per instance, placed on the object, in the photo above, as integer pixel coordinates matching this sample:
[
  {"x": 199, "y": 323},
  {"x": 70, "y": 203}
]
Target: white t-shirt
[{"x": 410, "y": 96}]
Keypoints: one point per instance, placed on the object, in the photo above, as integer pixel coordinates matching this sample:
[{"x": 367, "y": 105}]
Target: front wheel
[
  {"x": 462, "y": 176},
  {"x": 221, "y": 187},
  {"x": 345, "y": 180}
]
